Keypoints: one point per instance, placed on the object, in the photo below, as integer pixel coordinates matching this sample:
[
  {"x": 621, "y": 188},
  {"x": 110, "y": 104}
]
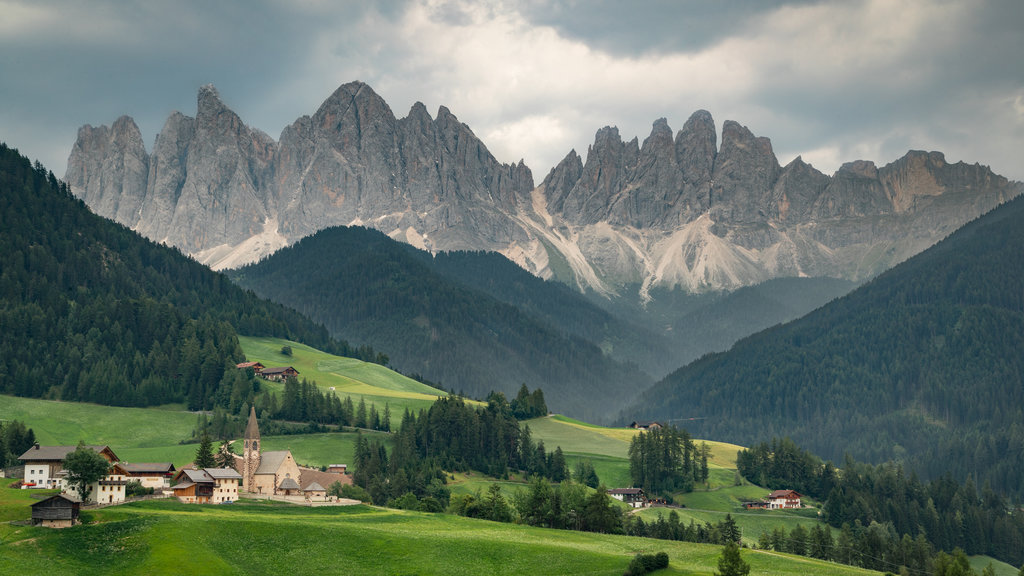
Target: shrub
[{"x": 644, "y": 563}]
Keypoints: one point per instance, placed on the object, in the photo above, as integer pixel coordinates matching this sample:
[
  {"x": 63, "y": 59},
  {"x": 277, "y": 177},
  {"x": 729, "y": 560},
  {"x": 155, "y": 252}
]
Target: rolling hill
[{"x": 365, "y": 286}]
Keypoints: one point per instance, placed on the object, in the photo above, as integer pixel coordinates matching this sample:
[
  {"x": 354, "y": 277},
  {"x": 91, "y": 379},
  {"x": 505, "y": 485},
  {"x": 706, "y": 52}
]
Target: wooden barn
[{"x": 57, "y": 511}]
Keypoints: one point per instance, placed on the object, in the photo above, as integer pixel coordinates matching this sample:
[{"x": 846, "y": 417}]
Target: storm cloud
[{"x": 831, "y": 81}]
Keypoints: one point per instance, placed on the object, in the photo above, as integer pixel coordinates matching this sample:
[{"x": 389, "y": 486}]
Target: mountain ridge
[{"x": 676, "y": 211}]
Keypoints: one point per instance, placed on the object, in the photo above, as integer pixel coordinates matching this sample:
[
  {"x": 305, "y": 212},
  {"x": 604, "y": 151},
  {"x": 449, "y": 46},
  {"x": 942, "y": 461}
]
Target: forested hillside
[
  {"x": 922, "y": 365},
  {"x": 91, "y": 311},
  {"x": 364, "y": 286}
]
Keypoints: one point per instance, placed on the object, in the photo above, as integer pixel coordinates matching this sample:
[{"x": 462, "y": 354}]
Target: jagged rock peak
[
  {"x": 208, "y": 101},
  {"x": 861, "y": 168}
]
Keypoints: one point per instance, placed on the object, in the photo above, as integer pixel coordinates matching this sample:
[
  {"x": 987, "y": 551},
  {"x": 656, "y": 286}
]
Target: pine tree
[
  {"x": 730, "y": 563},
  {"x": 204, "y": 454}
]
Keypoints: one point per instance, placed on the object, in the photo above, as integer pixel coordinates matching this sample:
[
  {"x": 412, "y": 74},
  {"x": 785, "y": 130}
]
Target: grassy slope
[{"x": 248, "y": 538}]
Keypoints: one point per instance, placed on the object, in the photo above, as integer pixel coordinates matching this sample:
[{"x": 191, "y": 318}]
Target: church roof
[
  {"x": 252, "y": 429},
  {"x": 271, "y": 461},
  {"x": 288, "y": 484},
  {"x": 314, "y": 487}
]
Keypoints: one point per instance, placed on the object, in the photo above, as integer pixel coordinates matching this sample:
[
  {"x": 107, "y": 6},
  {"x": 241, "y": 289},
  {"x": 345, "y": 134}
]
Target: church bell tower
[{"x": 251, "y": 453}]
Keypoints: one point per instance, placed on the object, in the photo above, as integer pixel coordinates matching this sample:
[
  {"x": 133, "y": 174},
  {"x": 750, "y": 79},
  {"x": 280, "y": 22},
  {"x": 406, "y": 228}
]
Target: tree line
[{"x": 888, "y": 516}]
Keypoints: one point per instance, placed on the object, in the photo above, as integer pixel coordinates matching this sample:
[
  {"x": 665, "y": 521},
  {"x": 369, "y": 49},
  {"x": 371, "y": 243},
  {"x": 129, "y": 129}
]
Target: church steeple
[
  {"x": 252, "y": 429},
  {"x": 251, "y": 453}
]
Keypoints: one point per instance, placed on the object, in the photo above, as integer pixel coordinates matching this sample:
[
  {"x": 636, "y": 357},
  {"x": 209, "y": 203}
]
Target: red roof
[{"x": 785, "y": 494}]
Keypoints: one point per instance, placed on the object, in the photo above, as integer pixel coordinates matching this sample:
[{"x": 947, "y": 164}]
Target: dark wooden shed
[{"x": 57, "y": 511}]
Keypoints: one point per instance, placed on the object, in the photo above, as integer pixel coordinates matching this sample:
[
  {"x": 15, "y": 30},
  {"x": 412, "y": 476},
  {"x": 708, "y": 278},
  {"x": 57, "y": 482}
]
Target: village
[{"x": 256, "y": 474}]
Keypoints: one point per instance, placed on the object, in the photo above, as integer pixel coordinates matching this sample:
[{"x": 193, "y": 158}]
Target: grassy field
[
  {"x": 374, "y": 383},
  {"x": 154, "y": 435},
  {"x": 257, "y": 538}
]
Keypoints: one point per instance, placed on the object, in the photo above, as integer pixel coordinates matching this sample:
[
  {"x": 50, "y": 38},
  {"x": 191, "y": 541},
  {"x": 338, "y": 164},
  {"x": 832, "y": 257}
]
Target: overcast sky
[{"x": 833, "y": 81}]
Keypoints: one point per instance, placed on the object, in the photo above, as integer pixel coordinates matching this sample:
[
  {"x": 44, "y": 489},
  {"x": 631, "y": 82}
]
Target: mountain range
[{"x": 675, "y": 212}]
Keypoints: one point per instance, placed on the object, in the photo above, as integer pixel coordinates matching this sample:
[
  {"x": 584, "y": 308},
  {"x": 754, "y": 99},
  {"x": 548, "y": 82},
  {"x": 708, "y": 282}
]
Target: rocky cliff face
[{"x": 675, "y": 211}]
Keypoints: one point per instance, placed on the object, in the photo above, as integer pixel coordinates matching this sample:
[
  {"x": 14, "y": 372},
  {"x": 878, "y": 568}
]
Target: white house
[
  {"x": 108, "y": 490},
  {"x": 632, "y": 496},
  {"x": 781, "y": 499},
  {"x": 44, "y": 463}
]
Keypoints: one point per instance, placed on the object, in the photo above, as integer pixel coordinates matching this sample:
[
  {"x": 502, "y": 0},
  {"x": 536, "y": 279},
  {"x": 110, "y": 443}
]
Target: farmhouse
[
  {"x": 57, "y": 511},
  {"x": 278, "y": 374},
  {"x": 108, "y": 490},
  {"x": 43, "y": 463},
  {"x": 782, "y": 499},
  {"x": 155, "y": 475},
  {"x": 256, "y": 366},
  {"x": 646, "y": 425},
  {"x": 632, "y": 496},
  {"x": 207, "y": 486}
]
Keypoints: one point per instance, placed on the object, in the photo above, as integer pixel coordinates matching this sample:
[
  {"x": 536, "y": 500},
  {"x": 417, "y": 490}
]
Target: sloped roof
[
  {"x": 314, "y": 487},
  {"x": 310, "y": 476},
  {"x": 785, "y": 494},
  {"x": 55, "y": 497},
  {"x": 278, "y": 370},
  {"x": 52, "y": 453},
  {"x": 288, "y": 484},
  {"x": 182, "y": 486},
  {"x": 197, "y": 476},
  {"x": 148, "y": 467},
  {"x": 223, "y": 473},
  {"x": 626, "y": 491},
  {"x": 270, "y": 462}
]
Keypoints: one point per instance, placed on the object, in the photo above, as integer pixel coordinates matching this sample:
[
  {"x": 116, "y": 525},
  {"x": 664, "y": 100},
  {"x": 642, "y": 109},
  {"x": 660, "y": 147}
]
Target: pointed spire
[{"x": 252, "y": 429}]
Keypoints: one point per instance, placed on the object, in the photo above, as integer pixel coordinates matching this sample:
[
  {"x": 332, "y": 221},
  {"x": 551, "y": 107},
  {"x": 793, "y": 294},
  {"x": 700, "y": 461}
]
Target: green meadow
[
  {"x": 373, "y": 383},
  {"x": 163, "y": 537}
]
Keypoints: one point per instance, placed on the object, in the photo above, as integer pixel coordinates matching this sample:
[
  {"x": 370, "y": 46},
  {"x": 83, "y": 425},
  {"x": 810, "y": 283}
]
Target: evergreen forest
[
  {"x": 92, "y": 312},
  {"x": 921, "y": 366},
  {"x": 365, "y": 286}
]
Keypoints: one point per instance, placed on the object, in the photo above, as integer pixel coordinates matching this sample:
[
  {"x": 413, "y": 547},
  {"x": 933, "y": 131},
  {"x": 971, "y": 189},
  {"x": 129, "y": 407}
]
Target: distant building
[
  {"x": 275, "y": 472},
  {"x": 646, "y": 425},
  {"x": 110, "y": 489},
  {"x": 278, "y": 374},
  {"x": 57, "y": 511},
  {"x": 783, "y": 499},
  {"x": 632, "y": 496},
  {"x": 256, "y": 366},
  {"x": 44, "y": 463},
  {"x": 207, "y": 486},
  {"x": 155, "y": 475}
]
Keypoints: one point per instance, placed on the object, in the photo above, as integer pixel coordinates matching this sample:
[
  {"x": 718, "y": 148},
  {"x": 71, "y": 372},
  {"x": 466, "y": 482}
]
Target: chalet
[
  {"x": 256, "y": 366},
  {"x": 206, "y": 486},
  {"x": 646, "y": 425},
  {"x": 278, "y": 374},
  {"x": 57, "y": 511},
  {"x": 111, "y": 489},
  {"x": 337, "y": 468},
  {"x": 783, "y": 499},
  {"x": 44, "y": 463},
  {"x": 155, "y": 475},
  {"x": 632, "y": 496}
]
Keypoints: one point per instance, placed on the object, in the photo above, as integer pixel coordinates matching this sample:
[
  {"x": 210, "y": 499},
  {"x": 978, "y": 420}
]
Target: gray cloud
[{"x": 833, "y": 81}]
